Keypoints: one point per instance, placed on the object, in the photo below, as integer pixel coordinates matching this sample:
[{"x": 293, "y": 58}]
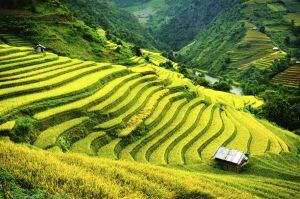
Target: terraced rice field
[
  {"x": 15, "y": 41},
  {"x": 290, "y": 77},
  {"x": 143, "y": 113},
  {"x": 293, "y": 16},
  {"x": 255, "y": 48}
]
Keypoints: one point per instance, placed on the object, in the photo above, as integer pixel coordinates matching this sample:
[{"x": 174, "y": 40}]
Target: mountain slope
[
  {"x": 264, "y": 26},
  {"x": 224, "y": 36},
  {"x": 116, "y": 21}
]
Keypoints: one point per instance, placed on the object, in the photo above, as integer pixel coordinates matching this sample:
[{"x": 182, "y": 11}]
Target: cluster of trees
[
  {"x": 282, "y": 104},
  {"x": 282, "y": 109},
  {"x": 167, "y": 65},
  {"x": 15, "y": 3},
  {"x": 126, "y": 3},
  {"x": 186, "y": 19},
  {"x": 198, "y": 79}
]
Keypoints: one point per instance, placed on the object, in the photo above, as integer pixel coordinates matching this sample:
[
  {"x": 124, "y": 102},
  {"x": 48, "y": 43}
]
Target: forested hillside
[{"x": 117, "y": 21}]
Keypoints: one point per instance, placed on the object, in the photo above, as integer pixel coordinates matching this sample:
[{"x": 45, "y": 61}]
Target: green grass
[
  {"x": 108, "y": 150},
  {"x": 192, "y": 154},
  {"x": 22, "y": 72},
  {"x": 63, "y": 70},
  {"x": 243, "y": 137},
  {"x": 293, "y": 16},
  {"x": 277, "y": 7},
  {"x": 75, "y": 85},
  {"x": 166, "y": 119}
]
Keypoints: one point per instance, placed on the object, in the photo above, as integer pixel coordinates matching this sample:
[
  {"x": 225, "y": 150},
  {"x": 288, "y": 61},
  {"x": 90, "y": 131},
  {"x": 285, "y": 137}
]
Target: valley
[{"x": 132, "y": 99}]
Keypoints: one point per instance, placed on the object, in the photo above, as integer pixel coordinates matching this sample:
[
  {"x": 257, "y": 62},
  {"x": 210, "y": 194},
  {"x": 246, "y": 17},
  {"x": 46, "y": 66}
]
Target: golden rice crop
[
  {"x": 76, "y": 85},
  {"x": 81, "y": 103}
]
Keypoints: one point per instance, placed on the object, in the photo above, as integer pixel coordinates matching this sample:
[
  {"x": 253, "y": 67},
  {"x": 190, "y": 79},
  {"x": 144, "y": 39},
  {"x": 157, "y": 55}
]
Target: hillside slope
[
  {"x": 224, "y": 37},
  {"x": 114, "y": 20},
  {"x": 140, "y": 113},
  {"x": 245, "y": 36},
  {"x": 74, "y": 175},
  {"x": 52, "y": 24}
]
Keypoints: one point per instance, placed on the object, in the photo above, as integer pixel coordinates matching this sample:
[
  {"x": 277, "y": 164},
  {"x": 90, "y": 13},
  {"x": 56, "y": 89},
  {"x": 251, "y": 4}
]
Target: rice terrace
[{"x": 110, "y": 99}]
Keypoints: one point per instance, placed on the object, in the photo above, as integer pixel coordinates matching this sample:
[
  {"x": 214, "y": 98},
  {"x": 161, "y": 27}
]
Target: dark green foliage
[
  {"x": 262, "y": 29},
  {"x": 10, "y": 186},
  {"x": 137, "y": 51},
  {"x": 167, "y": 65},
  {"x": 282, "y": 109},
  {"x": 100, "y": 13},
  {"x": 187, "y": 19},
  {"x": 222, "y": 86},
  {"x": 25, "y": 130},
  {"x": 118, "y": 49},
  {"x": 147, "y": 58},
  {"x": 207, "y": 101},
  {"x": 209, "y": 51},
  {"x": 126, "y": 3},
  {"x": 15, "y": 3},
  {"x": 281, "y": 103}
]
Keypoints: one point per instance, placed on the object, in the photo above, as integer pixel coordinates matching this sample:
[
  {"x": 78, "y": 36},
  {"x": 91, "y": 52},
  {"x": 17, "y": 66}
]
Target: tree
[
  {"x": 167, "y": 65},
  {"x": 262, "y": 29},
  {"x": 137, "y": 51},
  {"x": 147, "y": 58},
  {"x": 222, "y": 86},
  {"x": 287, "y": 40},
  {"x": 118, "y": 49}
]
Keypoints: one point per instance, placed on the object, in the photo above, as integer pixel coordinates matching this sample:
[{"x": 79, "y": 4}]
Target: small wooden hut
[
  {"x": 40, "y": 48},
  {"x": 230, "y": 159}
]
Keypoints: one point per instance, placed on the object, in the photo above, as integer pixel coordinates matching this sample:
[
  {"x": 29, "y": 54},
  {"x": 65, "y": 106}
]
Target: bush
[
  {"x": 167, "y": 65},
  {"x": 222, "y": 86},
  {"x": 25, "y": 130},
  {"x": 137, "y": 51},
  {"x": 118, "y": 49},
  {"x": 147, "y": 58}
]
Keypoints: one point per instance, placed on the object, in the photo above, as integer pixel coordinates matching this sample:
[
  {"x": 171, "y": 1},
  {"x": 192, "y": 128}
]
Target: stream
[{"x": 234, "y": 89}]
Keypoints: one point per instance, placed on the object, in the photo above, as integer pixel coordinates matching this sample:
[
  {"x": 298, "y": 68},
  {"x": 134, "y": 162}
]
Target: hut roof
[
  {"x": 39, "y": 45},
  {"x": 230, "y": 155}
]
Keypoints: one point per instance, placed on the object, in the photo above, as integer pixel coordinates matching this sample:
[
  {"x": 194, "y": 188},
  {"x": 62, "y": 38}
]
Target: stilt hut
[{"x": 230, "y": 159}]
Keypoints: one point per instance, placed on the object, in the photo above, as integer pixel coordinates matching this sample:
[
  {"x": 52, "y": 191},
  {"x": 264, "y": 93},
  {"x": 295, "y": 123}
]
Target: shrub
[
  {"x": 25, "y": 130},
  {"x": 137, "y": 51},
  {"x": 167, "y": 65}
]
